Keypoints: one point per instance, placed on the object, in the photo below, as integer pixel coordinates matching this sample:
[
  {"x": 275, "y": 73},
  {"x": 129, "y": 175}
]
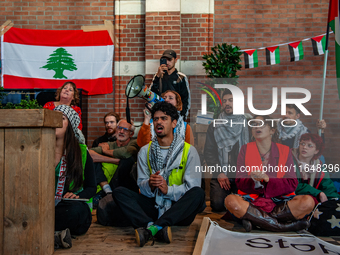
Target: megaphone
[{"x": 137, "y": 87}]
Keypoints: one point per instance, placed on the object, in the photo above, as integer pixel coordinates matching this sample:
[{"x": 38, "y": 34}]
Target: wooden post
[
  {"x": 27, "y": 144},
  {"x": 201, "y": 236}
]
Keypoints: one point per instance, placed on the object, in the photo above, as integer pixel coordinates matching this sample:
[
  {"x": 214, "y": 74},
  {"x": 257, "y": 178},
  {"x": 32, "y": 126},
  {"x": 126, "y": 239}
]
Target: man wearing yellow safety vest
[{"x": 169, "y": 185}]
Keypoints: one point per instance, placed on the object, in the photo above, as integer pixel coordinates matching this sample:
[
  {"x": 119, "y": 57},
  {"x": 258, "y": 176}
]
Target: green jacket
[{"x": 322, "y": 183}]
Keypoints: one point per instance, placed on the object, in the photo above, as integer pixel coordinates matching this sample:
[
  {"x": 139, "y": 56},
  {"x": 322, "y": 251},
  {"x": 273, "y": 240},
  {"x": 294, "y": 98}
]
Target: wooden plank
[
  {"x": 25, "y": 182},
  {"x": 30, "y": 118},
  {"x": 2, "y": 159},
  {"x": 47, "y": 189},
  {"x": 201, "y": 236}
]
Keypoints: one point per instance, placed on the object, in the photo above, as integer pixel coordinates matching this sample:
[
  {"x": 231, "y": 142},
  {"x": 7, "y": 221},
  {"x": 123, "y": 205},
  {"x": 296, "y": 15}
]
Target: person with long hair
[
  {"x": 75, "y": 179},
  {"x": 266, "y": 183},
  {"x": 147, "y": 133},
  {"x": 67, "y": 94}
]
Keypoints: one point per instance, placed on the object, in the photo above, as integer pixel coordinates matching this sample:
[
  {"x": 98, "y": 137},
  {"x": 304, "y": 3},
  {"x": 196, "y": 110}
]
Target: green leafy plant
[
  {"x": 222, "y": 62},
  {"x": 2, "y": 94},
  {"x": 24, "y": 104}
]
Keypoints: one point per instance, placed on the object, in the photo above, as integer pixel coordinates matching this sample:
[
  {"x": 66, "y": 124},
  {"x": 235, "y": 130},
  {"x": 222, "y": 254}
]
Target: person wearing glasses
[
  {"x": 314, "y": 180},
  {"x": 312, "y": 175},
  {"x": 266, "y": 184},
  {"x": 114, "y": 162}
]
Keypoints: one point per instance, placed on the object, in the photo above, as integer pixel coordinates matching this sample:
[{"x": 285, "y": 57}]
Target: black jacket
[
  {"x": 178, "y": 82},
  {"x": 103, "y": 139}
]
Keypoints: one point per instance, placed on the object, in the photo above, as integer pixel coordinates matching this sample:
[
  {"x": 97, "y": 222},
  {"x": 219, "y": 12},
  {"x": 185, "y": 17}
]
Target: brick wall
[
  {"x": 145, "y": 34},
  {"x": 196, "y": 35},
  {"x": 253, "y": 24}
]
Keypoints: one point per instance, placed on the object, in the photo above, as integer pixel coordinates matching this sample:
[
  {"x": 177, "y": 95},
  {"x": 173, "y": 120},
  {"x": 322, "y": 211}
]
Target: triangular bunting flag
[
  {"x": 296, "y": 51},
  {"x": 273, "y": 55},
  {"x": 319, "y": 44},
  {"x": 250, "y": 58}
]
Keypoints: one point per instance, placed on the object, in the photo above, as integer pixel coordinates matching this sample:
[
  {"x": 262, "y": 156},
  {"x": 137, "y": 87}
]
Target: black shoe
[
  {"x": 62, "y": 239},
  {"x": 164, "y": 235},
  {"x": 142, "y": 236},
  {"x": 247, "y": 225}
]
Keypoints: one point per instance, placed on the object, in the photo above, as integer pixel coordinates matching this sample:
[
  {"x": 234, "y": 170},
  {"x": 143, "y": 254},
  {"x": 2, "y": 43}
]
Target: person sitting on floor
[
  {"x": 67, "y": 94},
  {"x": 170, "y": 192},
  {"x": 114, "y": 163},
  {"x": 314, "y": 180},
  {"x": 222, "y": 146},
  {"x": 312, "y": 175},
  {"x": 110, "y": 120},
  {"x": 75, "y": 178},
  {"x": 266, "y": 197},
  {"x": 147, "y": 133},
  {"x": 114, "y": 160}
]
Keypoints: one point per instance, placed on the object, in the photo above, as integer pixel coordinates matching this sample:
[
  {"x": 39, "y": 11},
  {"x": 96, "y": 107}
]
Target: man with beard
[
  {"x": 170, "y": 192},
  {"x": 113, "y": 163},
  {"x": 222, "y": 146},
  {"x": 110, "y": 120},
  {"x": 293, "y": 128},
  {"x": 168, "y": 78},
  {"x": 114, "y": 160}
]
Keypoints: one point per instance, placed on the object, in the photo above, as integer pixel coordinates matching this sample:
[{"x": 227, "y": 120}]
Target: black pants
[
  {"x": 217, "y": 194},
  {"x": 74, "y": 215},
  {"x": 122, "y": 177},
  {"x": 140, "y": 210}
]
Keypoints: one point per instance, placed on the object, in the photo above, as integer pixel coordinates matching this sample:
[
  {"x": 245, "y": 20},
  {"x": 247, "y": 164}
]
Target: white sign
[{"x": 221, "y": 241}]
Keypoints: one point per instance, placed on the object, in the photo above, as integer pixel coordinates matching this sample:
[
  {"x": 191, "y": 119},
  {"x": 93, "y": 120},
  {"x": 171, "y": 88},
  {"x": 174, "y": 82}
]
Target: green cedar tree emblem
[{"x": 59, "y": 61}]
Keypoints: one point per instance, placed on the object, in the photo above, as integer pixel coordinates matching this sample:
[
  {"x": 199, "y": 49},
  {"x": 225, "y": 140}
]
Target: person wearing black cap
[{"x": 168, "y": 78}]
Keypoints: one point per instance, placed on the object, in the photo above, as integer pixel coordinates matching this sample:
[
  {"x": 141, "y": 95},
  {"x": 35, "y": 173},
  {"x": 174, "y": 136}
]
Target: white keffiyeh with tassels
[{"x": 158, "y": 163}]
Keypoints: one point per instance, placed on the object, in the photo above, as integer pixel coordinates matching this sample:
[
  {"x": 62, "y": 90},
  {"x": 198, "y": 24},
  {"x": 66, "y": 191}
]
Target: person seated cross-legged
[
  {"x": 170, "y": 192},
  {"x": 267, "y": 199}
]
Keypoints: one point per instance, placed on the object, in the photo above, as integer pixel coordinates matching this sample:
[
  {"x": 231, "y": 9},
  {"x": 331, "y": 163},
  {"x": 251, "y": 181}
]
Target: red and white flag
[{"x": 47, "y": 58}]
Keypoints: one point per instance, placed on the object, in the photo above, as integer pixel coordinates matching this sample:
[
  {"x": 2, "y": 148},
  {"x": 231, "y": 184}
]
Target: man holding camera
[{"x": 168, "y": 78}]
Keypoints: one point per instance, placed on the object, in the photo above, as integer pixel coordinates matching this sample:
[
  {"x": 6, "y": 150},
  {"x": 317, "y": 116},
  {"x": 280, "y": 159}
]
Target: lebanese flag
[
  {"x": 333, "y": 20},
  {"x": 48, "y": 58},
  {"x": 273, "y": 55},
  {"x": 319, "y": 44},
  {"x": 296, "y": 51},
  {"x": 250, "y": 58}
]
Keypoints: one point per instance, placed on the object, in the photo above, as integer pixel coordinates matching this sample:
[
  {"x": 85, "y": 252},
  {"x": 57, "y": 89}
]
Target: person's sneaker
[
  {"x": 62, "y": 239},
  {"x": 95, "y": 200},
  {"x": 142, "y": 236},
  {"x": 164, "y": 235}
]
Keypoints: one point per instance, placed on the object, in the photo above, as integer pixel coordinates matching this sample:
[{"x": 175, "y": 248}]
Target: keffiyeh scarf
[
  {"x": 158, "y": 163},
  {"x": 227, "y": 136},
  {"x": 290, "y": 132}
]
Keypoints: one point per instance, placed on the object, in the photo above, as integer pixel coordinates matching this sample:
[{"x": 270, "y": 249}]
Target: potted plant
[
  {"x": 222, "y": 62},
  {"x": 24, "y": 103}
]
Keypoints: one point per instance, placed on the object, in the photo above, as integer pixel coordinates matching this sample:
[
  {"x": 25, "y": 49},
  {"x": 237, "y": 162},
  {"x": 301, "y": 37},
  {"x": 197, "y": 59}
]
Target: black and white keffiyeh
[
  {"x": 293, "y": 131},
  {"x": 158, "y": 163},
  {"x": 74, "y": 119},
  {"x": 156, "y": 159},
  {"x": 227, "y": 135}
]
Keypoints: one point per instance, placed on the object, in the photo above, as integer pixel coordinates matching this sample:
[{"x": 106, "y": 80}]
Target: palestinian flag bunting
[
  {"x": 333, "y": 19},
  {"x": 48, "y": 58},
  {"x": 250, "y": 58},
  {"x": 319, "y": 44},
  {"x": 273, "y": 55},
  {"x": 296, "y": 51}
]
